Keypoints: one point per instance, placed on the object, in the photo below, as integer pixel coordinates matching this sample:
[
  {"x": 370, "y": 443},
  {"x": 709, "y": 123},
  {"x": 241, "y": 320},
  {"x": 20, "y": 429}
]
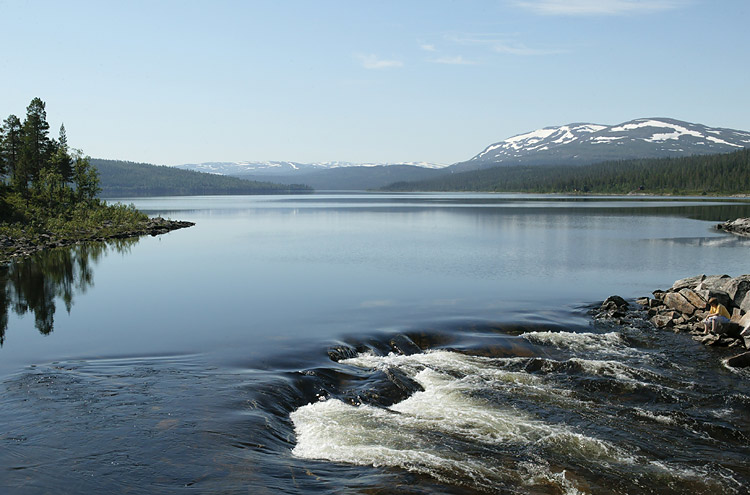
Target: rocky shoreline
[
  {"x": 683, "y": 307},
  {"x": 740, "y": 226},
  {"x": 12, "y": 248}
]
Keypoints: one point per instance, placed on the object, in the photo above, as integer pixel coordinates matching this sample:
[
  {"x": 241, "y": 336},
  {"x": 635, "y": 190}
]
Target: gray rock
[
  {"x": 690, "y": 282},
  {"x": 693, "y": 298},
  {"x": 662, "y": 321},
  {"x": 737, "y": 288},
  {"x": 677, "y": 301},
  {"x": 740, "y": 226},
  {"x": 714, "y": 282}
]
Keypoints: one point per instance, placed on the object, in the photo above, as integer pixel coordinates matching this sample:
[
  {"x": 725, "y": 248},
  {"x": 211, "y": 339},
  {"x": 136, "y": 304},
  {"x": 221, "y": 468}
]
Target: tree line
[
  {"x": 128, "y": 179},
  {"x": 40, "y": 169},
  {"x": 724, "y": 174}
]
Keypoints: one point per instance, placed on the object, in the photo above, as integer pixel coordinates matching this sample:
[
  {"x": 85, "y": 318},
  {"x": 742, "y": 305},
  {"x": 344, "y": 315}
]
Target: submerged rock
[{"x": 740, "y": 360}]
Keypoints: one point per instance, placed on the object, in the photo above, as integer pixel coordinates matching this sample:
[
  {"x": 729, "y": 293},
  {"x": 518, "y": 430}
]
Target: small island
[{"x": 48, "y": 193}]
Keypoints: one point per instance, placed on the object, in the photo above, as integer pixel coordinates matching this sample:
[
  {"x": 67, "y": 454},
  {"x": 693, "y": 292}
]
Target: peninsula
[{"x": 48, "y": 193}]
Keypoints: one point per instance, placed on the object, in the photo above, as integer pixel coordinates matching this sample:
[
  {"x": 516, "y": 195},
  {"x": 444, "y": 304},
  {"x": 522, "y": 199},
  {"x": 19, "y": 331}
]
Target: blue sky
[{"x": 172, "y": 82}]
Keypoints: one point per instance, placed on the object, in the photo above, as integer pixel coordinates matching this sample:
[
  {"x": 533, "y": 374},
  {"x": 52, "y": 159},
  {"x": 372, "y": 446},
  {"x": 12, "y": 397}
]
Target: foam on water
[
  {"x": 429, "y": 431},
  {"x": 474, "y": 423},
  {"x": 611, "y": 343}
]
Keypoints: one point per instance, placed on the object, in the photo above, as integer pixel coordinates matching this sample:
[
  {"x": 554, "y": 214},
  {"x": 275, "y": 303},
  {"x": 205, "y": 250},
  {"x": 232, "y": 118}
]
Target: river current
[{"x": 368, "y": 343}]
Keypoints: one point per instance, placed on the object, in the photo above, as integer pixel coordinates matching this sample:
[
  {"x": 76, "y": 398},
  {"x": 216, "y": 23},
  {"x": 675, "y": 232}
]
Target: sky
[{"x": 175, "y": 82}]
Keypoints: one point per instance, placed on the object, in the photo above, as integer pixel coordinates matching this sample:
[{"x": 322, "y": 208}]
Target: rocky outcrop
[
  {"x": 741, "y": 226},
  {"x": 684, "y": 306},
  {"x": 15, "y": 247}
]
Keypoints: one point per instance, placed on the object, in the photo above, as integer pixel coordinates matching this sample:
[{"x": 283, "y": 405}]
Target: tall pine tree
[
  {"x": 61, "y": 160},
  {"x": 35, "y": 145},
  {"x": 10, "y": 146}
]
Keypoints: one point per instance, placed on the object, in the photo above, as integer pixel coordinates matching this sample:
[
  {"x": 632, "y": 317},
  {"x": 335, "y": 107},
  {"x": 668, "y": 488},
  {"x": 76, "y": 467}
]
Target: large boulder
[
  {"x": 689, "y": 283},
  {"x": 678, "y": 302},
  {"x": 715, "y": 282},
  {"x": 737, "y": 288},
  {"x": 694, "y": 298}
]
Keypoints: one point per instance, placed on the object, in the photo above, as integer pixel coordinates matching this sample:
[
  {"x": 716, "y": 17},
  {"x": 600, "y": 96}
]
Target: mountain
[
  {"x": 121, "y": 178},
  {"x": 352, "y": 178},
  {"x": 717, "y": 174},
  {"x": 323, "y": 176},
  {"x": 275, "y": 168},
  {"x": 583, "y": 143}
]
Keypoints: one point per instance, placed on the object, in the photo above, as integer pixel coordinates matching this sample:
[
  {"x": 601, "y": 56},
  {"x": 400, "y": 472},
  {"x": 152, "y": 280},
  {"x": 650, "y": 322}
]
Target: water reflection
[{"x": 34, "y": 285}]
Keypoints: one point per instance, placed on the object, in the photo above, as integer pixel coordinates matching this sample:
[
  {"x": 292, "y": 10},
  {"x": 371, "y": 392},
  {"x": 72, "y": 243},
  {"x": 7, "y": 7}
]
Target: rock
[
  {"x": 744, "y": 322},
  {"x": 615, "y": 302},
  {"x": 709, "y": 339},
  {"x": 740, "y": 226},
  {"x": 677, "y": 301},
  {"x": 662, "y": 321},
  {"x": 340, "y": 352},
  {"x": 720, "y": 295},
  {"x": 712, "y": 282},
  {"x": 404, "y": 345},
  {"x": 690, "y": 282},
  {"x": 737, "y": 288},
  {"x": 740, "y": 360},
  {"x": 694, "y": 298},
  {"x": 644, "y": 301}
]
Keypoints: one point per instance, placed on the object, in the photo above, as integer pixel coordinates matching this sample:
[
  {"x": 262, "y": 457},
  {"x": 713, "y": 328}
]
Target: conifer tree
[
  {"x": 61, "y": 160},
  {"x": 10, "y": 146},
  {"x": 35, "y": 145}
]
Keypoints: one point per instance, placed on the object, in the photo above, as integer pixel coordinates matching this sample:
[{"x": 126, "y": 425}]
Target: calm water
[{"x": 369, "y": 343}]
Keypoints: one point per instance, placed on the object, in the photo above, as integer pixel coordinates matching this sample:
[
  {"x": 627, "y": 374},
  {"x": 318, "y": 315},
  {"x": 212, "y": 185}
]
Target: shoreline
[
  {"x": 683, "y": 307},
  {"x": 23, "y": 247}
]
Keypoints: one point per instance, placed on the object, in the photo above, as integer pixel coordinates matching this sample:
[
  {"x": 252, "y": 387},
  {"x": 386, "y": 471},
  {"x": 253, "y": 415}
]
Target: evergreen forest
[
  {"x": 721, "y": 174},
  {"x": 129, "y": 179},
  {"x": 41, "y": 176}
]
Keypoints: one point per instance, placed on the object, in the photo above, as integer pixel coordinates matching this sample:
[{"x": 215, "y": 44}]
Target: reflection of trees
[{"x": 34, "y": 284}]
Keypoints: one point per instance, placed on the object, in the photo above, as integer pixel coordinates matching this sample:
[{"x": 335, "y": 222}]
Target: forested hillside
[
  {"x": 355, "y": 178},
  {"x": 705, "y": 174},
  {"x": 121, "y": 178}
]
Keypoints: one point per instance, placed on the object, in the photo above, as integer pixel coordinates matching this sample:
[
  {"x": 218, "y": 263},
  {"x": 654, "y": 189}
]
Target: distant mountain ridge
[
  {"x": 586, "y": 143},
  {"x": 275, "y": 168},
  {"x": 567, "y": 145}
]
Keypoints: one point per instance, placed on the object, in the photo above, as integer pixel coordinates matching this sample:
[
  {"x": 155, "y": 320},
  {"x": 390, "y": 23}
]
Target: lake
[{"x": 372, "y": 343}]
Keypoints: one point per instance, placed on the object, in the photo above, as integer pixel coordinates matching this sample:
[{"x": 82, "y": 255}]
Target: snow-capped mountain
[
  {"x": 284, "y": 168},
  {"x": 582, "y": 143}
]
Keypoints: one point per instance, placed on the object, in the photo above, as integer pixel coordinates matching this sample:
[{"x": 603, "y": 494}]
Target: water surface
[{"x": 466, "y": 360}]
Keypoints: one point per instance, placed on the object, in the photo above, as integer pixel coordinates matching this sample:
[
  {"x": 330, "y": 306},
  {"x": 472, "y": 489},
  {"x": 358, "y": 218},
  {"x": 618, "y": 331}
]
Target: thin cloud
[
  {"x": 502, "y": 44},
  {"x": 458, "y": 60},
  {"x": 522, "y": 50},
  {"x": 427, "y": 47},
  {"x": 374, "y": 62},
  {"x": 598, "y": 7}
]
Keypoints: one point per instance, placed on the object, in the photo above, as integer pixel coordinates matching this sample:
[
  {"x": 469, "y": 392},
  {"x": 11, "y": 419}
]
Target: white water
[{"x": 468, "y": 425}]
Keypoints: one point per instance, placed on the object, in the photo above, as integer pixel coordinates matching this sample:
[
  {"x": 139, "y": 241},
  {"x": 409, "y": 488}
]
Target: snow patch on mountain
[
  {"x": 586, "y": 143},
  {"x": 285, "y": 167}
]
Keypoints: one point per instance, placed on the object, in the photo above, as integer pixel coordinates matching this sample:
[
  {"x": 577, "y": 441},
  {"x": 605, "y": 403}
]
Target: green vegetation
[
  {"x": 127, "y": 179},
  {"x": 48, "y": 190},
  {"x": 724, "y": 174}
]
